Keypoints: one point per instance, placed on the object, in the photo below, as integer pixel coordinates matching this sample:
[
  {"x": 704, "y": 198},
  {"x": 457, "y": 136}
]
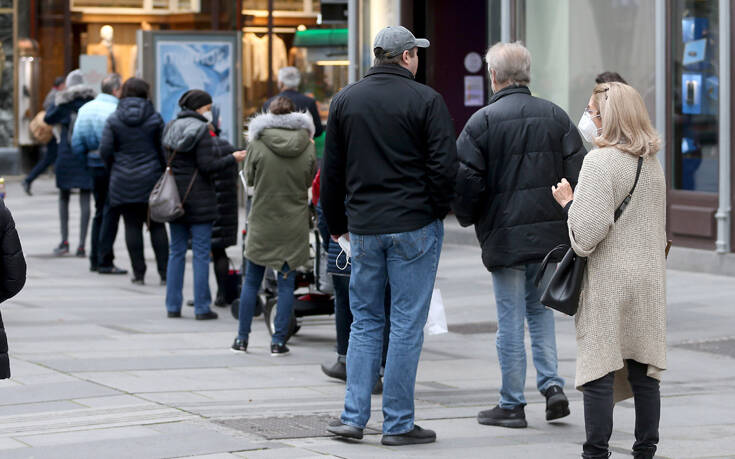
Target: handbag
[
  {"x": 41, "y": 131},
  {"x": 164, "y": 203},
  {"x": 565, "y": 286}
]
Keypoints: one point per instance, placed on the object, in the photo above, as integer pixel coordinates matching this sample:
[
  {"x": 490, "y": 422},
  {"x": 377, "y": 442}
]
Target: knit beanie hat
[
  {"x": 74, "y": 78},
  {"x": 194, "y": 99}
]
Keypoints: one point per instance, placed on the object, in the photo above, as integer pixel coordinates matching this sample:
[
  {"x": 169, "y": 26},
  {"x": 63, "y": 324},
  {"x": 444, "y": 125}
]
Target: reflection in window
[{"x": 695, "y": 99}]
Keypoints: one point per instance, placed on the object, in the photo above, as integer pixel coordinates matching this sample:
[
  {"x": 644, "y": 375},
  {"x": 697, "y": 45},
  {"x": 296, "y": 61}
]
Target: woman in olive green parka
[{"x": 280, "y": 166}]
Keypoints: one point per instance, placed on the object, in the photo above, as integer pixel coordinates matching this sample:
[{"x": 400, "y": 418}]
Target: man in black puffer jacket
[
  {"x": 511, "y": 153},
  {"x": 12, "y": 275}
]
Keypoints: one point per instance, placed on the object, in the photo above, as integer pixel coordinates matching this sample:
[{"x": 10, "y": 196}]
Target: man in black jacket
[
  {"x": 390, "y": 163},
  {"x": 511, "y": 152},
  {"x": 289, "y": 79}
]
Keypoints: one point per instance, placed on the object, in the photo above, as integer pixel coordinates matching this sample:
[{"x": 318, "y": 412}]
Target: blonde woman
[{"x": 621, "y": 322}]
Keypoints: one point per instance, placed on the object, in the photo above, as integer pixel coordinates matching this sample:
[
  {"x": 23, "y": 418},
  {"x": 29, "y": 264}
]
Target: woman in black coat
[
  {"x": 71, "y": 171},
  {"x": 194, "y": 152},
  {"x": 131, "y": 148},
  {"x": 12, "y": 275},
  {"x": 224, "y": 230}
]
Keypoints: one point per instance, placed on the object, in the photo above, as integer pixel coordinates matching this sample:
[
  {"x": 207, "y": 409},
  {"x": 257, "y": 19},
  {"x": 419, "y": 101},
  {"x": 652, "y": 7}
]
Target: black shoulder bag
[{"x": 565, "y": 285}]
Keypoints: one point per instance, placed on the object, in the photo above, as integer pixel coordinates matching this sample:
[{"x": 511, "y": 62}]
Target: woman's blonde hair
[{"x": 625, "y": 122}]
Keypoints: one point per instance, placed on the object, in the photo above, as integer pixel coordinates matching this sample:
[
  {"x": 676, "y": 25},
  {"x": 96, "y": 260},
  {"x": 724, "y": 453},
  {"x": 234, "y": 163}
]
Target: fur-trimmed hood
[
  {"x": 292, "y": 121},
  {"x": 81, "y": 91}
]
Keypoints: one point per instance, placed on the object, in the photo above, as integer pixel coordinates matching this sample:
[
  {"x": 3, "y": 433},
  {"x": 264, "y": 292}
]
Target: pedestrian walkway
[{"x": 99, "y": 371}]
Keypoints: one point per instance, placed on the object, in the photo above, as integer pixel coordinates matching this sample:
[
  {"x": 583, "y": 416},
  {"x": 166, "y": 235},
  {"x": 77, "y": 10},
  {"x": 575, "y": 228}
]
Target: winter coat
[
  {"x": 224, "y": 230},
  {"x": 622, "y": 311},
  {"x": 511, "y": 153},
  {"x": 280, "y": 166},
  {"x": 12, "y": 276},
  {"x": 85, "y": 140},
  {"x": 303, "y": 103},
  {"x": 197, "y": 149},
  {"x": 390, "y": 151},
  {"x": 71, "y": 170},
  {"x": 131, "y": 149}
]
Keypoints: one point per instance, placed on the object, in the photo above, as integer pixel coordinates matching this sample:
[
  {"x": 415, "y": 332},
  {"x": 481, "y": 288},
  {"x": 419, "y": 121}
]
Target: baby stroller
[{"x": 313, "y": 295}]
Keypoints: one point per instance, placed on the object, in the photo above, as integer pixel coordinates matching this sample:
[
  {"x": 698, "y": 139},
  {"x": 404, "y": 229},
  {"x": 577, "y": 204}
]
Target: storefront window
[
  {"x": 695, "y": 117},
  {"x": 572, "y": 41},
  {"x": 7, "y": 78},
  {"x": 281, "y": 5}
]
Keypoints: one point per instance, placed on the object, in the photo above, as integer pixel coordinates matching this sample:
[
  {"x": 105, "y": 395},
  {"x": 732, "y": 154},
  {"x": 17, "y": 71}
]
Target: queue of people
[{"x": 519, "y": 173}]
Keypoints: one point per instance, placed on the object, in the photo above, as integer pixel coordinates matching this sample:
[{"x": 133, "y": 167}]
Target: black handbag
[{"x": 565, "y": 286}]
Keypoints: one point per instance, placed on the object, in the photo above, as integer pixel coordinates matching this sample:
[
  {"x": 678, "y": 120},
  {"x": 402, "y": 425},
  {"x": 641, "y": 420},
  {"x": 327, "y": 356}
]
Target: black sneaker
[
  {"x": 111, "y": 270},
  {"x": 337, "y": 371},
  {"x": 93, "y": 268},
  {"x": 62, "y": 249},
  {"x": 240, "y": 345},
  {"x": 81, "y": 253},
  {"x": 278, "y": 350},
  {"x": 416, "y": 436},
  {"x": 557, "y": 404},
  {"x": 138, "y": 281},
  {"x": 174, "y": 315},
  {"x": 343, "y": 430},
  {"x": 206, "y": 316},
  {"x": 26, "y": 187},
  {"x": 501, "y": 417}
]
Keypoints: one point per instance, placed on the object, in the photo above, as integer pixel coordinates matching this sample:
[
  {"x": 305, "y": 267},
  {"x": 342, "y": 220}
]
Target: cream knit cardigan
[{"x": 622, "y": 310}]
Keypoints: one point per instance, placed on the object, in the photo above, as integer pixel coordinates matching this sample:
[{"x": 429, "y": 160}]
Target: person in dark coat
[
  {"x": 131, "y": 149},
  {"x": 192, "y": 149},
  {"x": 510, "y": 154},
  {"x": 71, "y": 170},
  {"x": 49, "y": 155},
  {"x": 224, "y": 229},
  {"x": 12, "y": 276},
  {"x": 289, "y": 79}
]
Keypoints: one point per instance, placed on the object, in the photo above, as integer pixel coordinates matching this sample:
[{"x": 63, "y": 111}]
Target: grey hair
[
  {"x": 111, "y": 83},
  {"x": 289, "y": 77},
  {"x": 511, "y": 62}
]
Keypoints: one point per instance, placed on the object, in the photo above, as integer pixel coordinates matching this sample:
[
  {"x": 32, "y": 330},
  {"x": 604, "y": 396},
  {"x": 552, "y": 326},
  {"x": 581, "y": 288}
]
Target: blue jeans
[
  {"x": 249, "y": 294},
  {"x": 201, "y": 242},
  {"x": 408, "y": 261},
  {"x": 518, "y": 300}
]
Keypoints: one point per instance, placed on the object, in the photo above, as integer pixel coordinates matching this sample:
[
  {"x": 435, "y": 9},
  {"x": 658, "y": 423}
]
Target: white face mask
[
  {"x": 345, "y": 246},
  {"x": 587, "y": 128},
  {"x": 208, "y": 116}
]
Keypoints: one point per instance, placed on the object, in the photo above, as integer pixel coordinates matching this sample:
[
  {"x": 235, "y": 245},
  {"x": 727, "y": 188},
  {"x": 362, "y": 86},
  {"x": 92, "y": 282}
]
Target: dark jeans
[
  {"x": 108, "y": 233},
  {"x": 343, "y": 315},
  {"x": 598, "y": 412},
  {"x": 248, "y": 296},
  {"x": 49, "y": 157},
  {"x": 101, "y": 185},
  {"x": 135, "y": 216}
]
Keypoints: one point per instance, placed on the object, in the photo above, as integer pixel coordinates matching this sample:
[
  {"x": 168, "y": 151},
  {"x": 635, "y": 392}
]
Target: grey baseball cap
[{"x": 397, "y": 39}]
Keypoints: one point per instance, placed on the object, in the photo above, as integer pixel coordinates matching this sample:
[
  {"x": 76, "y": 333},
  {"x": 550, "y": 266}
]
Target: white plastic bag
[{"x": 436, "y": 322}]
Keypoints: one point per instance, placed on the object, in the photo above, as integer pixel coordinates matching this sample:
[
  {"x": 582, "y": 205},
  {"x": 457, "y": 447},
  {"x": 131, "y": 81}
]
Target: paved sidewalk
[{"x": 99, "y": 371}]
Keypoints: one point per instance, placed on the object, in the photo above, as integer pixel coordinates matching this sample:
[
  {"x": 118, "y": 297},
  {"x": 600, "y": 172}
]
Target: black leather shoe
[
  {"x": 174, "y": 315},
  {"x": 26, "y": 187},
  {"x": 338, "y": 370},
  {"x": 343, "y": 430},
  {"x": 93, "y": 268},
  {"x": 111, "y": 270},
  {"x": 416, "y": 436},
  {"x": 557, "y": 404},
  {"x": 206, "y": 316},
  {"x": 138, "y": 281},
  {"x": 240, "y": 345},
  {"x": 501, "y": 417}
]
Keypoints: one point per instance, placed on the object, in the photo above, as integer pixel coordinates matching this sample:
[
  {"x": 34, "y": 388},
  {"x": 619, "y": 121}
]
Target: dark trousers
[
  {"x": 135, "y": 216},
  {"x": 343, "y": 315},
  {"x": 101, "y": 186},
  {"x": 598, "y": 413},
  {"x": 221, "y": 268},
  {"x": 108, "y": 233},
  {"x": 49, "y": 157}
]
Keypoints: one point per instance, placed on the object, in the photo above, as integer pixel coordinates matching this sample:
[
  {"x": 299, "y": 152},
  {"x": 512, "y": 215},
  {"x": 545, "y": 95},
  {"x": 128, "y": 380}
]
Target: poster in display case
[{"x": 175, "y": 61}]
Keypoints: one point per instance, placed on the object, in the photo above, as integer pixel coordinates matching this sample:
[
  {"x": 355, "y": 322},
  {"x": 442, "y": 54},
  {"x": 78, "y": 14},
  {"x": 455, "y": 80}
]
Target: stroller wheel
[
  {"x": 235, "y": 307},
  {"x": 270, "y": 311}
]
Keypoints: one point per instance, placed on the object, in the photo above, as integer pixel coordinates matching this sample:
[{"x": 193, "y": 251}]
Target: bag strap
[
  {"x": 547, "y": 259},
  {"x": 626, "y": 201},
  {"x": 171, "y": 159},
  {"x": 191, "y": 184}
]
